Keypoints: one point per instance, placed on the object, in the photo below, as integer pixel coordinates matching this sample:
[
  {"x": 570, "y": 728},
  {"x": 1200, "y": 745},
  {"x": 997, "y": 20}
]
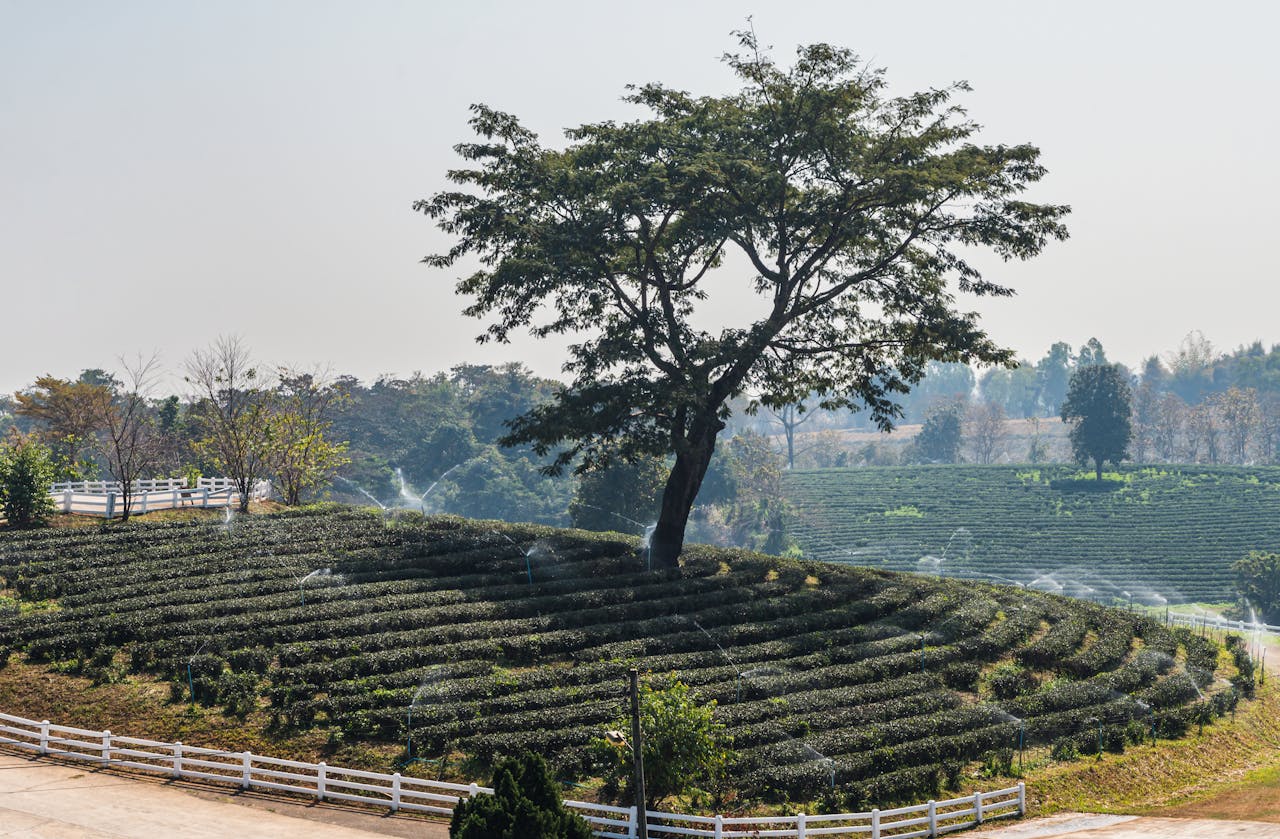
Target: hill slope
[
  {"x": 501, "y": 638},
  {"x": 1168, "y": 533}
]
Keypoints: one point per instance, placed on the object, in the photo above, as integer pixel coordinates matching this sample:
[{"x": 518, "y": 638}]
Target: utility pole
[{"x": 637, "y": 751}]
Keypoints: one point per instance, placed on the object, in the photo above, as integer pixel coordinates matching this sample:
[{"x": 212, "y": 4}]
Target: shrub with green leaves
[
  {"x": 26, "y": 471},
  {"x": 686, "y": 750},
  {"x": 525, "y": 803}
]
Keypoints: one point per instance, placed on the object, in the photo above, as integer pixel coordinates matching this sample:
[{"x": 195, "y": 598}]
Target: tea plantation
[
  {"x": 1159, "y": 534},
  {"x": 507, "y": 637}
]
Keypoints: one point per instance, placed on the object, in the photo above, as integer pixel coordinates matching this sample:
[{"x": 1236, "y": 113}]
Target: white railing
[
  {"x": 102, "y": 498},
  {"x": 398, "y": 792},
  {"x": 1213, "y": 622}
]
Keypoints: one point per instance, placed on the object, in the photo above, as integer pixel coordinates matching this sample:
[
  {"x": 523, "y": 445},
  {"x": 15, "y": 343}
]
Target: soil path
[
  {"x": 1087, "y": 826},
  {"x": 46, "y": 799}
]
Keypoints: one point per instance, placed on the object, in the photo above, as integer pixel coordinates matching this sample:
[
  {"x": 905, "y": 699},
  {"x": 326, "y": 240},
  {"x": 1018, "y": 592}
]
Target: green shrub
[
  {"x": 1064, "y": 748},
  {"x": 26, "y": 472},
  {"x": 1008, "y": 681},
  {"x": 526, "y": 803}
]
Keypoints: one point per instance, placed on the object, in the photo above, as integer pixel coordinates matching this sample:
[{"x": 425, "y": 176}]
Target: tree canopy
[
  {"x": 854, "y": 210},
  {"x": 1098, "y": 408}
]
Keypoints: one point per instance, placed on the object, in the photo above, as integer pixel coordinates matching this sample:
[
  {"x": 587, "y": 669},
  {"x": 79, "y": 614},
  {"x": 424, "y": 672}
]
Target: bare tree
[
  {"x": 1203, "y": 434},
  {"x": 986, "y": 430},
  {"x": 791, "y": 417},
  {"x": 129, "y": 440},
  {"x": 1170, "y": 416},
  {"x": 1269, "y": 429},
  {"x": 1238, "y": 408},
  {"x": 1146, "y": 408},
  {"x": 231, "y": 405},
  {"x": 299, "y": 455}
]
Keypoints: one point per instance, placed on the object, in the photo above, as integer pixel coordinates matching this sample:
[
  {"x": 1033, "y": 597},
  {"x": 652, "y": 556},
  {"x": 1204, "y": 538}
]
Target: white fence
[
  {"x": 1214, "y": 622},
  {"x": 102, "y": 498},
  {"x": 397, "y": 792}
]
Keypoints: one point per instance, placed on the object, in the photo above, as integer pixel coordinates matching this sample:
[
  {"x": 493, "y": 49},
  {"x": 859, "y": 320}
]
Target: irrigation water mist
[
  {"x": 319, "y": 575},
  {"x": 425, "y": 690},
  {"x": 362, "y": 491},
  {"x": 807, "y": 751}
]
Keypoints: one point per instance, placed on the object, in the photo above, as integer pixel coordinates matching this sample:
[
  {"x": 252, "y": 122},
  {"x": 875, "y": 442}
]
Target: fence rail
[
  {"x": 104, "y": 498},
  {"x": 1211, "y": 622},
  {"x": 400, "y": 793}
]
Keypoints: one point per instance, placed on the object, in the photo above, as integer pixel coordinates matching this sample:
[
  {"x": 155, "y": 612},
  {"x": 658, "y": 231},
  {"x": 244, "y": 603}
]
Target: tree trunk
[
  {"x": 667, "y": 539},
  {"x": 1097, "y": 465}
]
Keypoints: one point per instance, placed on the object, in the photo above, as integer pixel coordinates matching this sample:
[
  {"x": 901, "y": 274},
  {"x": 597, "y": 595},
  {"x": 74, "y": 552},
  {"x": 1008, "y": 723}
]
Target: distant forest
[{"x": 432, "y": 441}]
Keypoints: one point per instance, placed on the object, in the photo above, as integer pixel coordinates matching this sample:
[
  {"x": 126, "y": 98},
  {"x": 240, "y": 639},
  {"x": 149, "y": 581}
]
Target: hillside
[
  {"x": 499, "y": 638},
  {"x": 1163, "y": 534}
]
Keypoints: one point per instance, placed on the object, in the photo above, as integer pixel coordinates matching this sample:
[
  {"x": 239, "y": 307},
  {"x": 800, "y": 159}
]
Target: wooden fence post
[
  {"x": 875, "y": 823},
  {"x": 106, "y": 746},
  {"x": 111, "y": 504},
  {"x": 177, "y": 759},
  {"x": 66, "y": 501},
  {"x": 246, "y": 769},
  {"x": 800, "y": 831},
  {"x": 633, "y": 823},
  {"x": 933, "y": 819},
  {"x": 1022, "y": 798},
  {"x": 320, "y": 767},
  {"x": 395, "y": 792},
  {"x": 977, "y": 806},
  {"x": 44, "y": 737},
  {"x": 719, "y": 827}
]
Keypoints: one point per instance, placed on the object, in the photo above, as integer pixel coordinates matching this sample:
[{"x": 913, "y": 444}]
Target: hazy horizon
[{"x": 178, "y": 172}]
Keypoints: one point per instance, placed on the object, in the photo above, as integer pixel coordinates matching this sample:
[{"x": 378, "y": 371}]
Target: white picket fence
[
  {"x": 102, "y": 498},
  {"x": 397, "y": 792}
]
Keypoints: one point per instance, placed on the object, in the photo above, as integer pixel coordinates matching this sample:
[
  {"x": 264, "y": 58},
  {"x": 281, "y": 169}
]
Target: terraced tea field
[
  {"x": 486, "y": 639},
  {"x": 1168, "y": 533}
]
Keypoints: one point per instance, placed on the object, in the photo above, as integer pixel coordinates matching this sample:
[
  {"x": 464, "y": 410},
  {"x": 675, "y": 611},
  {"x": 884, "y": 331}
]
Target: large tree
[
  {"x": 1097, "y": 407},
  {"x": 854, "y": 211}
]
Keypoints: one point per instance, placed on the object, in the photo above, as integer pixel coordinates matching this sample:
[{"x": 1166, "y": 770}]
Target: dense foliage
[
  {"x": 1157, "y": 533},
  {"x": 525, "y": 804},
  {"x": 1258, "y": 582},
  {"x": 500, "y": 639}
]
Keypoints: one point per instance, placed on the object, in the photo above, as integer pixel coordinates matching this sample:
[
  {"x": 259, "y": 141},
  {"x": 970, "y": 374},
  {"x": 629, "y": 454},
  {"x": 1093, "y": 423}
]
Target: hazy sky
[{"x": 173, "y": 171}]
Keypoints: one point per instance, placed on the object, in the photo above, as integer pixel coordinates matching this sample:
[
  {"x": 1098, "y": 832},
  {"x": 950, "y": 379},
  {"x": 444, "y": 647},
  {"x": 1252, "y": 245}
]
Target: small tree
[
  {"x": 298, "y": 453},
  {"x": 1258, "y": 582},
  {"x": 68, "y": 416},
  {"x": 986, "y": 431},
  {"x": 685, "y": 749},
  {"x": 1238, "y": 408},
  {"x": 1097, "y": 406},
  {"x": 525, "y": 803},
  {"x": 130, "y": 440},
  {"x": 939, "y": 437},
  {"x": 26, "y": 471},
  {"x": 233, "y": 411}
]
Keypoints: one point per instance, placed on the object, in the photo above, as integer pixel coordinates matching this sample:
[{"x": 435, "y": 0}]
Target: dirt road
[
  {"x": 1086, "y": 826},
  {"x": 57, "y": 801}
]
